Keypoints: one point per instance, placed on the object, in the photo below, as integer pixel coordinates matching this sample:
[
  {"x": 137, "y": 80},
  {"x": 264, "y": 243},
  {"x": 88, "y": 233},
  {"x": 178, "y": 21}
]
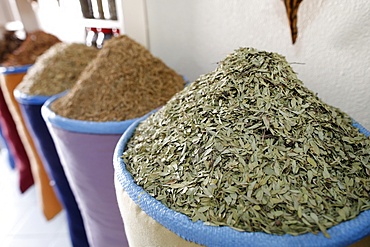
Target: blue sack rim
[
  {"x": 15, "y": 69},
  {"x": 28, "y": 99},
  {"x": 87, "y": 127},
  {"x": 80, "y": 126},
  {"x": 343, "y": 234}
]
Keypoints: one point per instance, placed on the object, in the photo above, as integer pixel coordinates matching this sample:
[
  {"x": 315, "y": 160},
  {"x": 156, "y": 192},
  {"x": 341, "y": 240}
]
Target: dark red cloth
[{"x": 15, "y": 145}]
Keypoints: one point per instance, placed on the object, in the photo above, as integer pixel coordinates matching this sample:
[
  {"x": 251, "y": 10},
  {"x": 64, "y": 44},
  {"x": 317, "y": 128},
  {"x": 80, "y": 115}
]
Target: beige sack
[{"x": 141, "y": 229}]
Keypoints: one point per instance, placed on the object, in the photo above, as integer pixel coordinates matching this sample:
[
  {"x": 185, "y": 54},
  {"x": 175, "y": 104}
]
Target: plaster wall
[{"x": 331, "y": 54}]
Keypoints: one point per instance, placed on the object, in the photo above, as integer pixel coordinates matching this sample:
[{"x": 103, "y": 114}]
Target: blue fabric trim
[
  {"x": 79, "y": 126},
  {"x": 187, "y": 82},
  {"x": 361, "y": 128},
  {"x": 342, "y": 234},
  {"x": 15, "y": 69},
  {"x": 28, "y": 99},
  {"x": 5, "y": 148}
]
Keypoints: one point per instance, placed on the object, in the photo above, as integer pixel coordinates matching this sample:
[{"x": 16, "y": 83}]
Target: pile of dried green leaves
[{"x": 249, "y": 146}]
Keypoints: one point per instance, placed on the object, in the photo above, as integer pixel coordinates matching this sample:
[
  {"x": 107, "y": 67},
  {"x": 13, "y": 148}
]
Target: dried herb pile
[
  {"x": 249, "y": 146},
  {"x": 57, "y": 69},
  {"x": 124, "y": 81},
  {"x": 35, "y": 44}
]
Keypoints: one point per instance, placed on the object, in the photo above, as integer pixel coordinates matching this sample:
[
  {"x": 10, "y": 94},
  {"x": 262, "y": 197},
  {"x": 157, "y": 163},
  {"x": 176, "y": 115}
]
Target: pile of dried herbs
[
  {"x": 35, "y": 44},
  {"x": 57, "y": 69},
  {"x": 249, "y": 146},
  {"x": 124, "y": 81}
]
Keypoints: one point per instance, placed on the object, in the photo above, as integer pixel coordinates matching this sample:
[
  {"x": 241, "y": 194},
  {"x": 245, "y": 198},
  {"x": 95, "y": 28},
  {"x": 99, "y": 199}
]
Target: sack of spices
[
  {"x": 54, "y": 72},
  {"x": 122, "y": 83},
  {"x": 245, "y": 156},
  {"x": 16, "y": 67},
  {"x": 10, "y": 42},
  {"x": 35, "y": 44}
]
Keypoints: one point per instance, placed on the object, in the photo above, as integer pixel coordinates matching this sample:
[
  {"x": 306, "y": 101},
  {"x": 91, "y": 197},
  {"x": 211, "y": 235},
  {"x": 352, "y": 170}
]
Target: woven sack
[
  {"x": 85, "y": 150},
  {"x": 31, "y": 109},
  {"x": 151, "y": 223}
]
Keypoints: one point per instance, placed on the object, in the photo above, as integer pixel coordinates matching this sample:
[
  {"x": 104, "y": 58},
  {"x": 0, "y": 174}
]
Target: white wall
[
  {"x": 333, "y": 41},
  {"x": 63, "y": 20},
  {"x": 5, "y": 13},
  {"x": 28, "y": 16}
]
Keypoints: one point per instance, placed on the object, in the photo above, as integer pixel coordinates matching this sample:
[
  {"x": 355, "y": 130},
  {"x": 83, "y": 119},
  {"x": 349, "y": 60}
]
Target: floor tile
[{"x": 27, "y": 241}]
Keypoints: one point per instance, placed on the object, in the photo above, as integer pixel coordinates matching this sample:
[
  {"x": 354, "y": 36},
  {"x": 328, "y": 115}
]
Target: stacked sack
[
  {"x": 124, "y": 82},
  {"x": 54, "y": 72},
  {"x": 21, "y": 146}
]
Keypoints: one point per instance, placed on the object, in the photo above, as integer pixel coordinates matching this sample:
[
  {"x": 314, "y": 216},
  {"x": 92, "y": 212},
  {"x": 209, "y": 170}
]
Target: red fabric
[{"x": 16, "y": 148}]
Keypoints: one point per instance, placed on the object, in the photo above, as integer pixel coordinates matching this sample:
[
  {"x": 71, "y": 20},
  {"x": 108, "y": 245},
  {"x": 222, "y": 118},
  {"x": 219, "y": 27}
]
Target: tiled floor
[{"x": 22, "y": 223}]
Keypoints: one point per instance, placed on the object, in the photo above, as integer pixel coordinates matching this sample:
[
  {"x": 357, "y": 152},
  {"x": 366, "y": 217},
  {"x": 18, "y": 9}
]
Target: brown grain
[
  {"x": 57, "y": 69},
  {"x": 125, "y": 81}
]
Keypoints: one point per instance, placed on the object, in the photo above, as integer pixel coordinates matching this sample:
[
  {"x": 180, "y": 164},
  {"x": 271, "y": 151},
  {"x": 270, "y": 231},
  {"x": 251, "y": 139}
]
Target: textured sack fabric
[
  {"x": 85, "y": 150},
  {"x": 141, "y": 229},
  {"x": 31, "y": 109},
  {"x": 15, "y": 145},
  {"x": 342, "y": 235},
  {"x": 50, "y": 204}
]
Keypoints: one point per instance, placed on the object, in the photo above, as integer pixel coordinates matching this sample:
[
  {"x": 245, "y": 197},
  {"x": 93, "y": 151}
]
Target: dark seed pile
[
  {"x": 8, "y": 44},
  {"x": 35, "y": 44}
]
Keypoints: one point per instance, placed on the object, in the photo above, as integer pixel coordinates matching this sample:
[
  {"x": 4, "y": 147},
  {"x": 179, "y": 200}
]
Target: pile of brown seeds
[
  {"x": 35, "y": 44},
  {"x": 249, "y": 146},
  {"x": 125, "y": 81},
  {"x": 57, "y": 69}
]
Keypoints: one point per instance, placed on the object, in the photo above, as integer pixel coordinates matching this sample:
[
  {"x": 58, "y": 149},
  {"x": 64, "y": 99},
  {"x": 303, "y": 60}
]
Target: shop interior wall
[
  {"x": 6, "y": 15},
  {"x": 62, "y": 18},
  {"x": 331, "y": 54}
]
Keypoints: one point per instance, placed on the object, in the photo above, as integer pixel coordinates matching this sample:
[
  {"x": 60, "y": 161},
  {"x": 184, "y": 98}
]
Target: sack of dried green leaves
[{"x": 247, "y": 154}]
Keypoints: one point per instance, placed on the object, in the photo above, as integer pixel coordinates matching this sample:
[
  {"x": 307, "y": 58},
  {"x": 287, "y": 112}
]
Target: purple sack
[{"x": 86, "y": 151}]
